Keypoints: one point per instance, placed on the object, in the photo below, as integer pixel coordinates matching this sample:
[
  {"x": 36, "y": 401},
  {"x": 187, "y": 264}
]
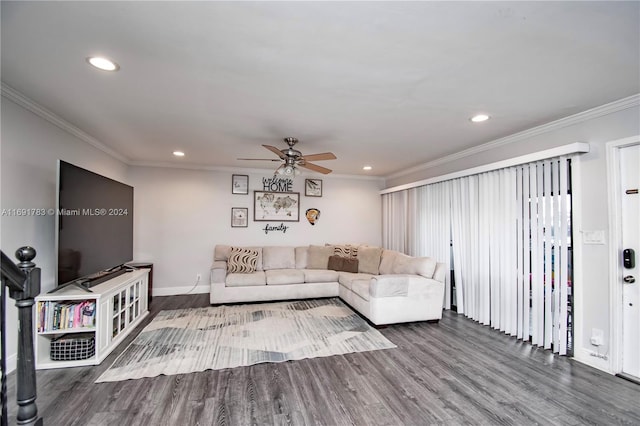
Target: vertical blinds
[{"x": 511, "y": 237}]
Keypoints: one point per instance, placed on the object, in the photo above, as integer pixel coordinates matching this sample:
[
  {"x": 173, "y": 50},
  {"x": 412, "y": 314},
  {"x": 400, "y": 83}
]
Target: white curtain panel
[
  {"x": 394, "y": 221},
  {"x": 510, "y": 230},
  {"x": 418, "y": 222}
]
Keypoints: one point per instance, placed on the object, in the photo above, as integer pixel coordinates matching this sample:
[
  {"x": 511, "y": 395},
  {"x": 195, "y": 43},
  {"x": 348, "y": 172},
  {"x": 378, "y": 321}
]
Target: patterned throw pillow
[
  {"x": 242, "y": 260},
  {"x": 346, "y": 251}
]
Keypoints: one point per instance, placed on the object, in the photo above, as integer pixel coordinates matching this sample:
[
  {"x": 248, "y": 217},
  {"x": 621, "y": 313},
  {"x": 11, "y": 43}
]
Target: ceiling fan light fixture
[{"x": 288, "y": 170}]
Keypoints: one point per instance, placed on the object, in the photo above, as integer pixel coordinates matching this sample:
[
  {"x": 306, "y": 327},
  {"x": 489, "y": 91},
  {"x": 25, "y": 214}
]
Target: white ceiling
[{"x": 390, "y": 84}]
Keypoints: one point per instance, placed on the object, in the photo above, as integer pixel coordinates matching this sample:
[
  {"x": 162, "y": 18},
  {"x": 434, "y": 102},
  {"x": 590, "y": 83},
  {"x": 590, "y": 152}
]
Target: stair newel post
[{"x": 26, "y": 371}]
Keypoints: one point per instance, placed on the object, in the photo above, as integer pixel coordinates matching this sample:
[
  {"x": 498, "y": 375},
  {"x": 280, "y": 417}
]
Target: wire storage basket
[{"x": 73, "y": 347}]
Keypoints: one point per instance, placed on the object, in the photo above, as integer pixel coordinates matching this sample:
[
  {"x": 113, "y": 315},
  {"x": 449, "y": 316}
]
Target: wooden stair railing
[{"x": 23, "y": 281}]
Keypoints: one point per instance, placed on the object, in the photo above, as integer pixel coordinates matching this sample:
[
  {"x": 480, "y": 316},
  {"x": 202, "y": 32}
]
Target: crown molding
[
  {"x": 18, "y": 98},
  {"x": 606, "y": 109}
]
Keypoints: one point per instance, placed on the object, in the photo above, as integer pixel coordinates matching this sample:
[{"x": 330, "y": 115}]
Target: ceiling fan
[{"x": 292, "y": 158}]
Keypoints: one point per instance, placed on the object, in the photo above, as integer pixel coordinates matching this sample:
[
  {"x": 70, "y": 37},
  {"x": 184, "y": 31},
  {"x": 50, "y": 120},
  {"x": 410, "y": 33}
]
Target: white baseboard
[
  {"x": 177, "y": 291},
  {"x": 12, "y": 363},
  {"x": 586, "y": 356}
]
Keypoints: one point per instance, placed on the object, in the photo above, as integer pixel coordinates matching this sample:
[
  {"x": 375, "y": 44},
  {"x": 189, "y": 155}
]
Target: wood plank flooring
[{"x": 452, "y": 372}]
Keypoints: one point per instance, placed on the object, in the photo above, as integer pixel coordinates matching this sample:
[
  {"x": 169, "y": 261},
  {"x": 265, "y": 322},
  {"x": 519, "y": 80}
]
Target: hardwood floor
[{"x": 452, "y": 372}]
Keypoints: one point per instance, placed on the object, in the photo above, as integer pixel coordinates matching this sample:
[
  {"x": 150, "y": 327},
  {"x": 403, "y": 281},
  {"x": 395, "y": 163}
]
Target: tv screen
[{"x": 94, "y": 223}]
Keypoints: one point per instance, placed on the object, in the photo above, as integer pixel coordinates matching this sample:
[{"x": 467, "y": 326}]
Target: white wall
[
  {"x": 182, "y": 214},
  {"x": 592, "y": 305},
  {"x": 30, "y": 148}
]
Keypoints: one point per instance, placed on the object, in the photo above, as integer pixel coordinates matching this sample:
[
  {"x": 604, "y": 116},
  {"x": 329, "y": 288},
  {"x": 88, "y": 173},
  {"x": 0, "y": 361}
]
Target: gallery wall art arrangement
[{"x": 275, "y": 202}]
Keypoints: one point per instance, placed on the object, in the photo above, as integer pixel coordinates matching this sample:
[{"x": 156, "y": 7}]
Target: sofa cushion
[
  {"x": 386, "y": 261},
  {"x": 346, "y": 279},
  {"x": 278, "y": 258},
  {"x": 221, "y": 252},
  {"x": 424, "y": 266},
  {"x": 242, "y": 260},
  {"x": 320, "y": 276},
  {"x": 241, "y": 280},
  {"x": 369, "y": 259},
  {"x": 361, "y": 288},
  {"x": 346, "y": 264},
  {"x": 318, "y": 257},
  {"x": 284, "y": 276},
  {"x": 301, "y": 257}
]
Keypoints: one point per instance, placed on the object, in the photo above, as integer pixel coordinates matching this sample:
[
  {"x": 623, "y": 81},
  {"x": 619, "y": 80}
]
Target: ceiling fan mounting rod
[{"x": 291, "y": 141}]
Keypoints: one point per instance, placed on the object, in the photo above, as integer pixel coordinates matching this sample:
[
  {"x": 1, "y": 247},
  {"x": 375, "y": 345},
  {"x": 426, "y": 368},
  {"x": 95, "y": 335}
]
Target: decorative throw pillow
[
  {"x": 350, "y": 264},
  {"x": 369, "y": 259},
  {"x": 335, "y": 263},
  {"x": 345, "y": 264},
  {"x": 345, "y": 251},
  {"x": 386, "y": 261},
  {"x": 242, "y": 260}
]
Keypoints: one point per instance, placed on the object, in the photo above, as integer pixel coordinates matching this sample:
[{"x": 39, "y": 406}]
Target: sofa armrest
[{"x": 218, "y": 271}]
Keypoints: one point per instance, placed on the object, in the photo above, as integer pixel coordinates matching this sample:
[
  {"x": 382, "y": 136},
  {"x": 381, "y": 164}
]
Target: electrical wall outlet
[{"x": 597, "y": 337}]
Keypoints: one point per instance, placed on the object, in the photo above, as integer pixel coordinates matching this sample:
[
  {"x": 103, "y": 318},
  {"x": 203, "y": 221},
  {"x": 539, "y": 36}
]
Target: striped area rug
[{"x": 190, "y": 340}]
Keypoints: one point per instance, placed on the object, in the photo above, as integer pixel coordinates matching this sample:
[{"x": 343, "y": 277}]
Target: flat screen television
[{"x": 94, "y": 223}]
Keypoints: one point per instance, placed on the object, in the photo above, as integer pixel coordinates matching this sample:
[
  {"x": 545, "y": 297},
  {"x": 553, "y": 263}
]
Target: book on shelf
[{"x": 65, "y": 315}]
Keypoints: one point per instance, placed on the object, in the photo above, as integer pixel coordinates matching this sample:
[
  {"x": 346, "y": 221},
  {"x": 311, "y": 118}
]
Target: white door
[{"x": 630, "y": 277}]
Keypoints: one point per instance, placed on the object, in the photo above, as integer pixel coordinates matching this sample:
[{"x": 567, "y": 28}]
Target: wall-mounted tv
[{"x": 94, "y": 219}]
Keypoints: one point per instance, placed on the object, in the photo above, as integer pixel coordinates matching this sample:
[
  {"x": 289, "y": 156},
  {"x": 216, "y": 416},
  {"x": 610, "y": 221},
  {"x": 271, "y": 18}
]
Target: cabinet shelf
[
  {"x": 119, "y": 306},
  {"x": 68, "y": 331}
]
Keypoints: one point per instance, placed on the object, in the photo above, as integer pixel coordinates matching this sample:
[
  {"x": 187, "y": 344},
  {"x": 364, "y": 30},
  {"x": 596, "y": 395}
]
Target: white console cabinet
[{"x": 118, "y": 307}]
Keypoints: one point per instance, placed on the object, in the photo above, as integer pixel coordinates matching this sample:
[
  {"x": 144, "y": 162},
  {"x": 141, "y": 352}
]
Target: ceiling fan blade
[
  {"x": 276, "y": 151},
  {"x": 258, "y": 159},
  {"x": 275, "y": 172},
  {"x": 318, "y": 157},
  {"x": 315, "y": 168}
]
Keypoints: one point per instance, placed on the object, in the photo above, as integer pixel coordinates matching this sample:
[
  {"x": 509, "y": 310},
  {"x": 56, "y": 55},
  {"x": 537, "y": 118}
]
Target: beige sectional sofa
[{"x": 385, "y": 286}]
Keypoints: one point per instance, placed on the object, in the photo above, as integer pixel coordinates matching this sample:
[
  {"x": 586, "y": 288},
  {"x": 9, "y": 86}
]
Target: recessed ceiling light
[
  {"x": 178, "y": 153},
  {"x": 479, "y": 118},
  {"x": 367, "y": 168},
  {"x": 103, "y": 63}
]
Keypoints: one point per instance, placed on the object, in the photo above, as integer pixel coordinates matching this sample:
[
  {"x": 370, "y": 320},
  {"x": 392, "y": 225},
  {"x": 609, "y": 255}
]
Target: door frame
[{"x": 615, "y": 247}]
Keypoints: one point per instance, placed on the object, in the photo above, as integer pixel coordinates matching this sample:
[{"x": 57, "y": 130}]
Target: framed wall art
[
  {"x": 276, "y": 206},
  {"x": 240, "y": 184},
  {"x": 313, "y": 187},
  {"x": 239, "y": 217}
]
